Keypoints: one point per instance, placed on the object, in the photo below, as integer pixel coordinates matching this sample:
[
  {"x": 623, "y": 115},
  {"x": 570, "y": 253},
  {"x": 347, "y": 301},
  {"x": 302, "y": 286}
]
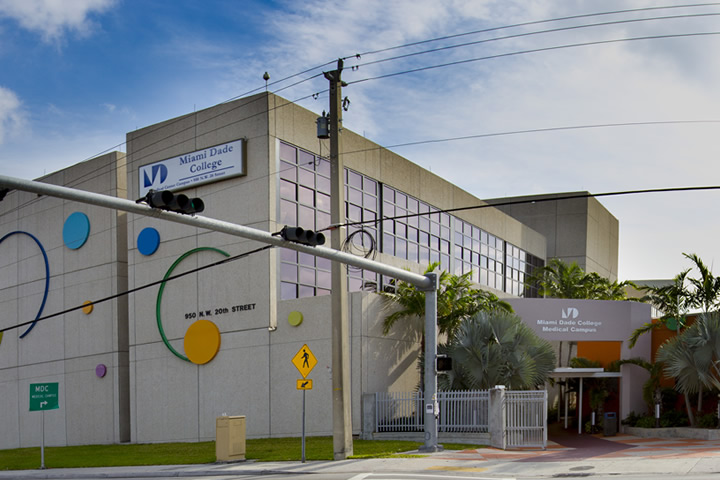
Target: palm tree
[
  {"x": 652, "y": 388},
  {"x": 457, "y": 299},
  {"x": 673, "y": 300},
  {"x": 693, "y": 357},
  {"x": 496, "y": 348}
]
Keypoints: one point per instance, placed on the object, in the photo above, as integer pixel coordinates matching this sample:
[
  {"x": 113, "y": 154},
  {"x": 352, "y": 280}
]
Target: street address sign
[
  {"x": 304, "y": 360},
  {"x": 43, "y": 396}
]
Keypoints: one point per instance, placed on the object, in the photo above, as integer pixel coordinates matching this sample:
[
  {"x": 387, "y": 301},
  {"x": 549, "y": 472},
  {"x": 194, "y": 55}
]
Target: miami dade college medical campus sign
[
  {"x": 581, "y": 320},
  {"x": 195, "y": 168}
]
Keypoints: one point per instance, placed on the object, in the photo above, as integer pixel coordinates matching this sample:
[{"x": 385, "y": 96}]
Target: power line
[
  {"x": 528, "y": 34},
  {"x": 533, "y": 130},
  {"x": 535, "y": 22},
  {"x": 535, "y": 50},
  {"x": 137, "y": 289},
  {"x": 546, "y": 198}
]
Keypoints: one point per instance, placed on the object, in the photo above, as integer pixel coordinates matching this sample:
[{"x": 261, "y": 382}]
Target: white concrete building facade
[{"x": 161, "y": 363}]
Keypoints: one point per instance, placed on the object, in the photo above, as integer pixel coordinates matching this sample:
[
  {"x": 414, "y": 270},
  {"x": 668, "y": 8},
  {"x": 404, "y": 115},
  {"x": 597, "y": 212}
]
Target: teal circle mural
[
  {"x": 148, "y": 241},
  {"x": 76, "y": 230}
]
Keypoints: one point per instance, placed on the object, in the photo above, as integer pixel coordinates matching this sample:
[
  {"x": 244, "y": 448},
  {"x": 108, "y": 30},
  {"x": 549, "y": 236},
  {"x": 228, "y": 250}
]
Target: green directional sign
[{"x": 43, "y": 396}]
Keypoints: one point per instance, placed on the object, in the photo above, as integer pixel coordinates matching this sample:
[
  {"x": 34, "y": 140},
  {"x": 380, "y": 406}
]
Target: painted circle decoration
[
  {"x": 295, "y": 318},
  {"x": 148, "y": 241},
  {"x": 202, "y": 342},
  {"x": 47, "y": 278},
  {"x": 76, "y": 230},
  {"x": 192, "y": 332},
  {"x": 100, "y": 370},
  {"x": 87, "y": 307}
]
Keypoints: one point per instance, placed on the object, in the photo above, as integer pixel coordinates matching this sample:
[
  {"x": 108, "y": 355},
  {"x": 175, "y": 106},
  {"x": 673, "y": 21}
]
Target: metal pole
[
  {"x": 303, "y": 428},
  {"x": 431, "y": 434},
  {"x": 42, "y": 443},
  {"x": 125, "y": 205},
  {"x": 580, "y": 407}
]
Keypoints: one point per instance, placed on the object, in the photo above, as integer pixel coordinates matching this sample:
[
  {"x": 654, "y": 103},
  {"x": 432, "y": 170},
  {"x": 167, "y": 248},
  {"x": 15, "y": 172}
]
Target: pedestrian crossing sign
[{"x": 304, "y": 360}]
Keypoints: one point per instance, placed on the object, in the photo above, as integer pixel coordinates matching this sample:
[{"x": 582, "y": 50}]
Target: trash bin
[
  {"x": 230, "y": 438},
  {"x": 610, "y": 424}
]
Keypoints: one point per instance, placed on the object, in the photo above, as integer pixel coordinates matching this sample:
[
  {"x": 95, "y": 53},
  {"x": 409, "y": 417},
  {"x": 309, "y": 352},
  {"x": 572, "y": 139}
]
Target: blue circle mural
[
  {"x": 148, "y": 241},
  {"x": 76, "y": 230},
  {"x": 47, "y": 277}
]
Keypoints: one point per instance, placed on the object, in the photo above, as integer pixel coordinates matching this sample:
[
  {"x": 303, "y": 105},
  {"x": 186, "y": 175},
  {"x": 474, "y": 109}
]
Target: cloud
[
  {"x": 12, "y": 117},
  {"x": 53, "y": 18}
]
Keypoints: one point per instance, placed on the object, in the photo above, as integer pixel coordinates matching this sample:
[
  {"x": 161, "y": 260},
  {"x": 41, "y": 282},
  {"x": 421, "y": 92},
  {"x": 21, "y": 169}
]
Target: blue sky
[{"x": 77, "y": 75}]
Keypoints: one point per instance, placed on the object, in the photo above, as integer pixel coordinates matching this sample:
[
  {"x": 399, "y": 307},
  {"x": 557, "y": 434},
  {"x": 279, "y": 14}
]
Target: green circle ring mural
[
  {"x": 162, "y": 288},
  {"x": 47, "y": 277}
]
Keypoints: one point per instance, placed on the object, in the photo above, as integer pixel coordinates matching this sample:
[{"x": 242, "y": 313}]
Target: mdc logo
[
  {"x": 155, "y": 171},
  {"x": 570, "y": 312}
]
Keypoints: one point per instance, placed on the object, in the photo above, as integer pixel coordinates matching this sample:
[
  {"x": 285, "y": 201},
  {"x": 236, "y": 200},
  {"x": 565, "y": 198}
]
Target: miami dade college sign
[
  {"x": 581, "y": 320},
  {"x": 195, "y": 168}
]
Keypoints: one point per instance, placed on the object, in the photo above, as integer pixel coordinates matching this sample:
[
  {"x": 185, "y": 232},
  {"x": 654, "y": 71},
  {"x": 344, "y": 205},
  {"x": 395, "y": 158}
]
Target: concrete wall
[
  {"x": 68, "y": 348},
  {"x": 577, "y": 230}
]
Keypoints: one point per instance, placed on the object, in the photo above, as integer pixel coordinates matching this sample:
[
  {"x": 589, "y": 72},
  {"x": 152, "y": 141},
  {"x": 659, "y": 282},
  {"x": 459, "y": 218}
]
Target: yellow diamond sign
[{"x": 304, "y": 360}]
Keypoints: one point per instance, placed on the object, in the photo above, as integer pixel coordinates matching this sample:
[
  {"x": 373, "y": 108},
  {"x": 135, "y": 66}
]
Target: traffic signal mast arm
[{"x": 125, "y": 205}]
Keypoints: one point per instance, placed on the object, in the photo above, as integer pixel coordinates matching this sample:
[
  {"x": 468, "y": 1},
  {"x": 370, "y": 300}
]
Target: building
[{"x": 129, "y": 369}]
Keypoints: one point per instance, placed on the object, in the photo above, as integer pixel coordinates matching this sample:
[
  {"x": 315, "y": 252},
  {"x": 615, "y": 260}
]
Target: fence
[
  {"x": 522, "y": 415},
  {"x": 460, "y": 412},
  {"x": 526, "y": 419}
]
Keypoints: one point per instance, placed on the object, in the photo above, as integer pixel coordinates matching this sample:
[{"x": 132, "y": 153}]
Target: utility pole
[{"x": 341, "y": 384}]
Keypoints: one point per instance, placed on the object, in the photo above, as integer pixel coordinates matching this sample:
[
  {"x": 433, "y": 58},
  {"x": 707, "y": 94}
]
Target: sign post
[
  {"x": 43, "y": 396},
  {"x": 304, "y": 361}
]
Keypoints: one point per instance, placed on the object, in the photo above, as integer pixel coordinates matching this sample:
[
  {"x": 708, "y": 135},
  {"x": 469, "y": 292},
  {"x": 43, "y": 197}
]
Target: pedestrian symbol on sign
[{"x": 304, "y": 361}]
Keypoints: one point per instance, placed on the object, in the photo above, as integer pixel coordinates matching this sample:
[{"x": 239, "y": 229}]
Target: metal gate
[{"x": 526, "y": 418}]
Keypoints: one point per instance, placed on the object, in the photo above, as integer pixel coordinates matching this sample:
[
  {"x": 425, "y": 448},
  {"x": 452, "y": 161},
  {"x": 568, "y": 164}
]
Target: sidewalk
[{"x": 583, "y": 454}]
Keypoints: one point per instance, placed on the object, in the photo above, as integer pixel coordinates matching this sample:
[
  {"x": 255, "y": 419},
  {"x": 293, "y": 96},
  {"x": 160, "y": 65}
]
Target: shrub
[
  {"x": 645, "y": 422},
  {"x": 709, "y": 420}
]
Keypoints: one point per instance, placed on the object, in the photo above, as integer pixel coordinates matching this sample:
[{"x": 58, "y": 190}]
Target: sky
[{"x": 630, "y": 104}]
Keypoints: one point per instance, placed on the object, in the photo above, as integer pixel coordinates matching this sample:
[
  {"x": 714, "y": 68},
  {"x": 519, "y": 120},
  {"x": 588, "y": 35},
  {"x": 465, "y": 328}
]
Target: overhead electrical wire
[
  {"x": 534, "y": 50},
  {"x": 137, "y": 289},
  {"x": 615, "y": 12},
  {"x": 553, "y": 198},
  {"x": 534, "y": 22},
  {"x": 315, "y": 95},
  {"x": 528, "y": 34}
]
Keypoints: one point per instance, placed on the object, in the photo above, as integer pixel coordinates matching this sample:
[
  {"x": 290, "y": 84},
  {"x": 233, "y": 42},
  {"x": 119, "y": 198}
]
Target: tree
[
  {"x": 673, "y": 300},
  {"x": 457, "y": 299},
  {"x": 496, "y": 348},
  {"x": 558, "y": 279},
  {"x": 652, "y": 388},
  {"x": 693, "y": 357}
]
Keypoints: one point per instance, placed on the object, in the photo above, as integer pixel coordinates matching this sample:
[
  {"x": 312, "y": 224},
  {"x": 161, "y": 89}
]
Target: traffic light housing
[
  {"x": 166, "y": 200},
  {"x": 300, "y": 235},
  {"x": 443, "y": 363}
]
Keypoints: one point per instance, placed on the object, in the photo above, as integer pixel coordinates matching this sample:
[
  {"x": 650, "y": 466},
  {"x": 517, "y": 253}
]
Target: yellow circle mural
[
  {"x": 88, "y": 307},
  {"x": 202, "y": 342}
]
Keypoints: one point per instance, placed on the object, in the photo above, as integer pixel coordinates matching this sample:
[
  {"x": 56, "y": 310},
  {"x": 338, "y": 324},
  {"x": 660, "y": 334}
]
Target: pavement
[{"x": 567, "y": 455}]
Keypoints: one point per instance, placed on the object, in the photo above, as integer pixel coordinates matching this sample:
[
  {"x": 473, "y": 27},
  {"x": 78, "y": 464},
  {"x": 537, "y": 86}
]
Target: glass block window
[
  {"x": 423, "y": 239},
  {"x": 361, "y": 205},
  {"x": 305, "y": 201}
]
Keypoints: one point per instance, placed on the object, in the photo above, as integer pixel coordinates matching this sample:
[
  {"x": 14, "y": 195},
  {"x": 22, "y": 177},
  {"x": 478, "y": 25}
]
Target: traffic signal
[
  {"x": 300, "y": 235},
  {"x": 166, "y": 200},
  {"x": 443, "y": 363}
]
